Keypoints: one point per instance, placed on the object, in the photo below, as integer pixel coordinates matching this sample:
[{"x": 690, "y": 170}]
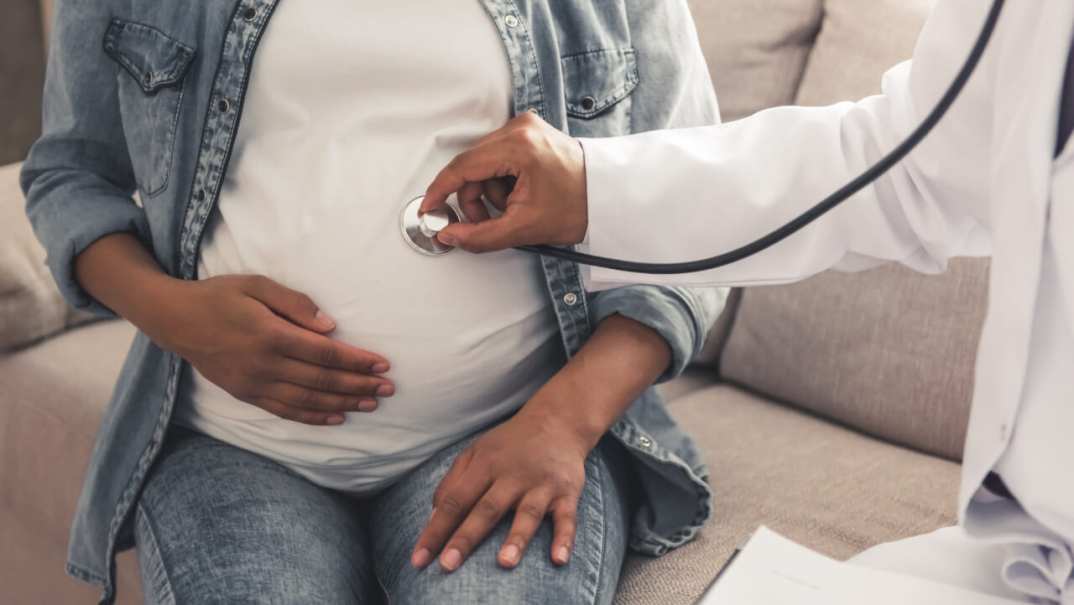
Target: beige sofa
[{"x": 833, "y": 411}]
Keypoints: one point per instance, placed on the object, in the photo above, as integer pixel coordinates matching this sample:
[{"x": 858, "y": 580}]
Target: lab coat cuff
[
  {"x": 610, "y": 226},
  {"x": 603, "y": 190}
]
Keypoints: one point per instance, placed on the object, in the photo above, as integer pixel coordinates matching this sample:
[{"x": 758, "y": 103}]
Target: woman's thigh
[
  {"x": 217, "y": 524},
  {"x": 398, "y": 516}
]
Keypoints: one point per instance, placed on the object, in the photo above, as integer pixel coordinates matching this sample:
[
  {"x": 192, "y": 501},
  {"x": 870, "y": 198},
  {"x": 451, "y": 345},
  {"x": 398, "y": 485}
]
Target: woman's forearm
[
  {"x": 619, "y": 361},
  {"x": 122, "y": 275}
]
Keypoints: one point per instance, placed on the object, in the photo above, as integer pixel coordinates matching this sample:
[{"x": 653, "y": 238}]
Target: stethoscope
[{"x": 420, "y": 232}]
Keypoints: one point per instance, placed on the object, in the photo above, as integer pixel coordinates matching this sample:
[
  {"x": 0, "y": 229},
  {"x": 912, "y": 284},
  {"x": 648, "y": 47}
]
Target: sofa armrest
[{"x": 31, "y": 307}]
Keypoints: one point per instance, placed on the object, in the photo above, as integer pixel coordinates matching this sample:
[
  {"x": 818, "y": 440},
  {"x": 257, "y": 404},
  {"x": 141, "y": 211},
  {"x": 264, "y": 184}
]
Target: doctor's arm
[{"x": 684, "y": 194}]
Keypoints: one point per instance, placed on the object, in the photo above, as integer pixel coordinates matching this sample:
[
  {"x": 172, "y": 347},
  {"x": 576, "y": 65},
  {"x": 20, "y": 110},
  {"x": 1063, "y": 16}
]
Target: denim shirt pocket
[
  {"x": 150, "y": 90},
  {"x": 597, "y": 85}
]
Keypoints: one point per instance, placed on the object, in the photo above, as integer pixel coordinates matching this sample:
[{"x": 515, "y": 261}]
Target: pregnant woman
[{"x": 312, "y": 412}]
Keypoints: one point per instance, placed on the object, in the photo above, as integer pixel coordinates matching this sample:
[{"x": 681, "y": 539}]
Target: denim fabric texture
[
  {"x": 217, "y": 524},
  {"x": 146, "y": 98}
]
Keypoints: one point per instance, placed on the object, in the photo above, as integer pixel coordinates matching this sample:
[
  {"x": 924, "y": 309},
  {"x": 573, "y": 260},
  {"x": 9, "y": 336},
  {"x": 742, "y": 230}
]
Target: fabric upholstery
[
  {"x": 855, "y": 46},
  {"x": 756, "y": 50},
  {"x": 827, "y": 487},
  {"x": 51, "y": 402},
  {"x": 886, "y": 351},
  {"x": 31, "y": 567},
  {"x": 30, "y": 304},
  {"x": 54, "y": 395}
]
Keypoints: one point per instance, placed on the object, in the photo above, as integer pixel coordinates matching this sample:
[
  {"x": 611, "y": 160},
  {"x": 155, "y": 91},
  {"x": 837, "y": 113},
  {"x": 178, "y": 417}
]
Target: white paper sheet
[{"x": 772, "y": 570}]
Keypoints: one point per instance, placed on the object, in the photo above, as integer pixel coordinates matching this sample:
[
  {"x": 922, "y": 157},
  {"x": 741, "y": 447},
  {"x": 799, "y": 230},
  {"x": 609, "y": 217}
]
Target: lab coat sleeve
[
  {"x": 78, "y": 179},
  {"x": 678, "y": 94},
  {"x": 693, "y": 193}
]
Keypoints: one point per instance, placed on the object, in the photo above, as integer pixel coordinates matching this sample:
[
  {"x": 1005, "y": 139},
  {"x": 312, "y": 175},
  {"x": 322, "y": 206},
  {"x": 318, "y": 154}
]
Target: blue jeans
[{"x": 217, "y": 524}]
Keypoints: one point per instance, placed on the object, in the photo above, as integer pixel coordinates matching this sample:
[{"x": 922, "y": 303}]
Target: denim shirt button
[
  {"x": 570, "y": 299},
  {"x": 199, "y": 195},
  {"x": 645, "y": 442},
  {"x": 224, "y": 106},
  {"x": 249, "y": 14},
  {"x": 511, "y": 21},
  {"x": 589, "y": 103}
]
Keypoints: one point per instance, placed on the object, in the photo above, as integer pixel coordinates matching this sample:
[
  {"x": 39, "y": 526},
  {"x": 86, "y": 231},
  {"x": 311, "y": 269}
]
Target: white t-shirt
[{"x": 353, "y": 107}]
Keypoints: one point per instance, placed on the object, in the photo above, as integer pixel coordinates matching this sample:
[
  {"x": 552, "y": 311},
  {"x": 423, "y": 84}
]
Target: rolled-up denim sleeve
[
  {"x": 78, "y": 179},
  {"x": 681, "y": 316}
]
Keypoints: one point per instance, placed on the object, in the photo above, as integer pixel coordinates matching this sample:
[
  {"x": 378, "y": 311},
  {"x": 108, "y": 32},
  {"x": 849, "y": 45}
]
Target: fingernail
[
  {"x": 421, "y": 558},
  {"x": 510, "y": 554},
  {"x": 367, "y": 405},
  {"x": 323, "y": 319},
  {"x": 563, "y": 554},
  {"x": 385, "y": 390},
  {"x": 451, "y": 560},
  {"x": 447, "y": 239},
  {"x": 380, "y": 368},
  {"x": 335, "y": 419}
]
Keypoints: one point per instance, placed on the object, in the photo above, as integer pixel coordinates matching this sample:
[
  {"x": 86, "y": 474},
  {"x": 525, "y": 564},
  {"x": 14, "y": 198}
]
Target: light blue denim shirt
[{"x": 146, "y": 97}]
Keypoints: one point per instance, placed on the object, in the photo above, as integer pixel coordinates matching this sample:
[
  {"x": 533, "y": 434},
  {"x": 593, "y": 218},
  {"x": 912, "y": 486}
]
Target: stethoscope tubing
[{"x": 829, "y": 203}]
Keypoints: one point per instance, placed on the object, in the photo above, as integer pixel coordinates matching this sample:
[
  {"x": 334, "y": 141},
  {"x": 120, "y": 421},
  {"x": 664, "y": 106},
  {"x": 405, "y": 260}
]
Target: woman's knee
[
  {"x": 591, "y": 576},
  {"x": 536, "y": 579}
]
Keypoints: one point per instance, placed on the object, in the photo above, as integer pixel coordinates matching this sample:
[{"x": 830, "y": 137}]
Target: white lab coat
[{"x": 984, "y": 183}]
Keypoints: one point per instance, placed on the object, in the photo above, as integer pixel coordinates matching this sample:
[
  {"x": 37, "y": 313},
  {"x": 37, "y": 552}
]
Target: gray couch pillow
[
  {"x": 31, "y": 307},
  {"x": 857, "y": 43},
  {"x": 756, "y": 49},
  {"x": 886, "y": 351}
]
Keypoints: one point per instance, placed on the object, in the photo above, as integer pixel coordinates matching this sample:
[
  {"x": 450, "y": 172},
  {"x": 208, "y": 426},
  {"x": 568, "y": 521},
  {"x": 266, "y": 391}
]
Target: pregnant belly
[
  {"x": 470, "y": 339},
  {"x": 440, "y": 399}
]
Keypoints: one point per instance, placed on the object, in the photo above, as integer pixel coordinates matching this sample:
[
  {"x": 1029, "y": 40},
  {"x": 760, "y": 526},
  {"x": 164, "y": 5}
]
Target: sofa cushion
[
  {"x": 32, "y": 563},
  {"x": 830, "y": 488},
  {"x": 756, "y": 49},
  {"x": 53, "y": 396},
  {"x": 856, "y": 44},
  {"x": 31, "y": 306},
  {"x": 887, "y": 351}
]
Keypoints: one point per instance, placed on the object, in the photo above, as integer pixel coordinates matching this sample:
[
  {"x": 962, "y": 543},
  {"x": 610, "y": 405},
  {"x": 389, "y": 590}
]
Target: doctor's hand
[
  {"x": 531, "y": 172},
  {"x": 267, "y": 345}
]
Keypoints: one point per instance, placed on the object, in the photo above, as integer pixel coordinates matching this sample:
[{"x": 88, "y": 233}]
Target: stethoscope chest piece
[{"x": 420, "y": 232}]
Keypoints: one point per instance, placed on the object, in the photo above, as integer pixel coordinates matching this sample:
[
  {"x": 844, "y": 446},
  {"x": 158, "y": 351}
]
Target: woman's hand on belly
[
  {"x": 267, "y": 345},
  {"x": 535, "y": 462}
]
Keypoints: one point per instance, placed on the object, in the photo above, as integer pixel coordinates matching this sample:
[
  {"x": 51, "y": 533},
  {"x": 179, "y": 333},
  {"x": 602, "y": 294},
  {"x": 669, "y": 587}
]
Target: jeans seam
[
  {"x": 598, "y": 560},
  {"x": 383, "y": 588},
  {"x": 605, "y": 476},
  {"x": 168, "y": 598}
]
